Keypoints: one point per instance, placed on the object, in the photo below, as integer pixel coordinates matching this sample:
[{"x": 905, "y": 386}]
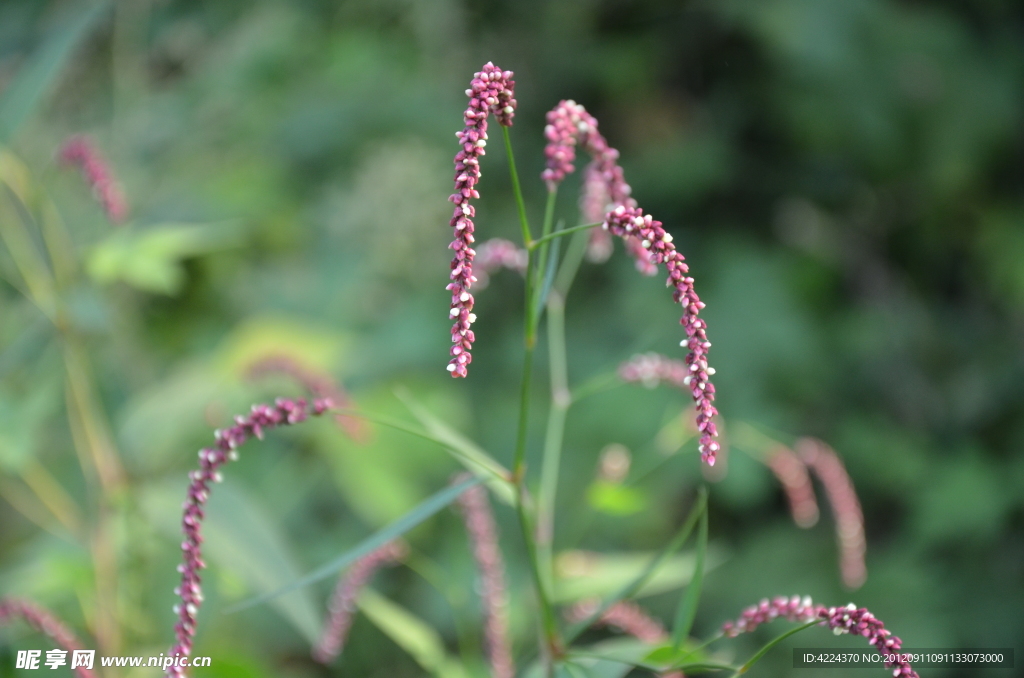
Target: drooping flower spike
[
  {"x": 342, "y": 607},
  {"x": 604, "y": 185},
  {"x": 80, "y": 152},
  {"x": 570, "y": 125},
  {"x": 483, "y": 537},
  {"x": 848, "y": 619},
  {"x": 632, "y": 222},
  {"x": 43, "y": 621},
  {"x": 846, "y": 511},
  {"x": 492, "y": 92},
  {"x": 260, "y": 419}
]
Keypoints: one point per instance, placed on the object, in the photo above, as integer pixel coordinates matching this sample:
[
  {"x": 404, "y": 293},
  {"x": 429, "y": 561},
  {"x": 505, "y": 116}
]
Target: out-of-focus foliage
[{"x": 844, "y": 176}]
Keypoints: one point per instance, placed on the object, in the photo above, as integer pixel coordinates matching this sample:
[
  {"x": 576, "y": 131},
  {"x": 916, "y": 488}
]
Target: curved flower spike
[
  {"x": 846, "y": 510},
  {"x": 79, "y": 152},
  {"x": 792, "y": 474},
  {"x": 848, "y": 619},
  {"x": 45, "y": 622},
  {"x": 492, "y": 92},
  {"x": 346, "y": 593},
  {"x": 261, "y": 418},
  {"x": 632, "y": 222}
]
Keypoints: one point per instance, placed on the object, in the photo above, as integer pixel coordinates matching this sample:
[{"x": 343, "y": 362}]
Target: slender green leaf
[
  {"x": 468, "y": 453},
  {"x": 411, "y": 633},
  {"x": 424, "y": 510},
  {"x": 581, "y": 575},
  {"x": 631, "y": 588},
  {"x": 38, "y": 74},
  {"x": 772, "y": 643},
  {"x": 687, "y": 609}
]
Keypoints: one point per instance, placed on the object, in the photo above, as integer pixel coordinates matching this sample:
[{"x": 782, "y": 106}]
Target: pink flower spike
[
  {"x": 848, "y": 619},
  {"x": 80, "y": 152},
  {"x": 483, "y": 536},
  {"x": 846, "y": 510},
  {"x": 260, "y": 418},
  {"x": 632, "y": 222},
  {"x": 792, "y": 474},
  {"x": 43, "y": 621},
  {"x": 492, "y": 92},
  {"x": 343, "y": 603},
  {"x": 858, "y": 621}
]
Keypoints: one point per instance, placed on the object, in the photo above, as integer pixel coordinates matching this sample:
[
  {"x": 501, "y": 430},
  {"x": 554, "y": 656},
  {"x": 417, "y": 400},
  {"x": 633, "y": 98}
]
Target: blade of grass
[
  {"x": 631, "y": 588},
  {"x": 687, "y": 609},
  {"x": 465, "y": 450},
  {"x": 424, "y": 510}
]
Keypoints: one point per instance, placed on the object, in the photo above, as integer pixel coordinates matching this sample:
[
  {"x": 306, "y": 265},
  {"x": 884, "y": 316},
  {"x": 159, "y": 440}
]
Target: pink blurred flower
[
  {"x": 260, "y": 419},
  {"x": 343, "y": 603},
  {"x": 795, "y": 609},
  {"x": 846, "y": 510},
  {"x": 604, "y": 185},
  {"x": 491, "y": 93},
  {"x": 483, "y": 536},
  {"x": 80, "y": 152},
  {"x": 497, "y": 253},
  {"x": 43, "y": 621},
  {"x": 629, "y": 618},
  {"x": 792, "y": 474}
]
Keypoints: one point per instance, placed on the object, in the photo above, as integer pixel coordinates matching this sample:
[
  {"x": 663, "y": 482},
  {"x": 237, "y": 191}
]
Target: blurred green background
[{"x": 844, "y": 176}]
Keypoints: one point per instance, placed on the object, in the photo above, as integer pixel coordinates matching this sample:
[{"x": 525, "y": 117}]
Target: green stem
[
  {"x": 520, "y": 205},
  {"x": 549, "y": 216},
  {"x": 547, "y": 237},
  {"x": 547, "y": 613},
  {"x": 560, "y": 402}
]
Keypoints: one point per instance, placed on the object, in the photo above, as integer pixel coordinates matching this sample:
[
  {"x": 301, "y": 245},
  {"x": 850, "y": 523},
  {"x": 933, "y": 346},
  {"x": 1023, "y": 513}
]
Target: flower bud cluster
[
  {"x": 795, "y": 609},
  {"x": 261, "y": 418},
  {"x": 858, "y": 621},
  {"x": 319, "y": 384},
  {"x": 604, "y": 185},
  {"x": 491, "y": 93}
]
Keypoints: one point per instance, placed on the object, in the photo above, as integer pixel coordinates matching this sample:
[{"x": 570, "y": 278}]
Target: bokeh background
[{"x": 844, "y": 176}]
